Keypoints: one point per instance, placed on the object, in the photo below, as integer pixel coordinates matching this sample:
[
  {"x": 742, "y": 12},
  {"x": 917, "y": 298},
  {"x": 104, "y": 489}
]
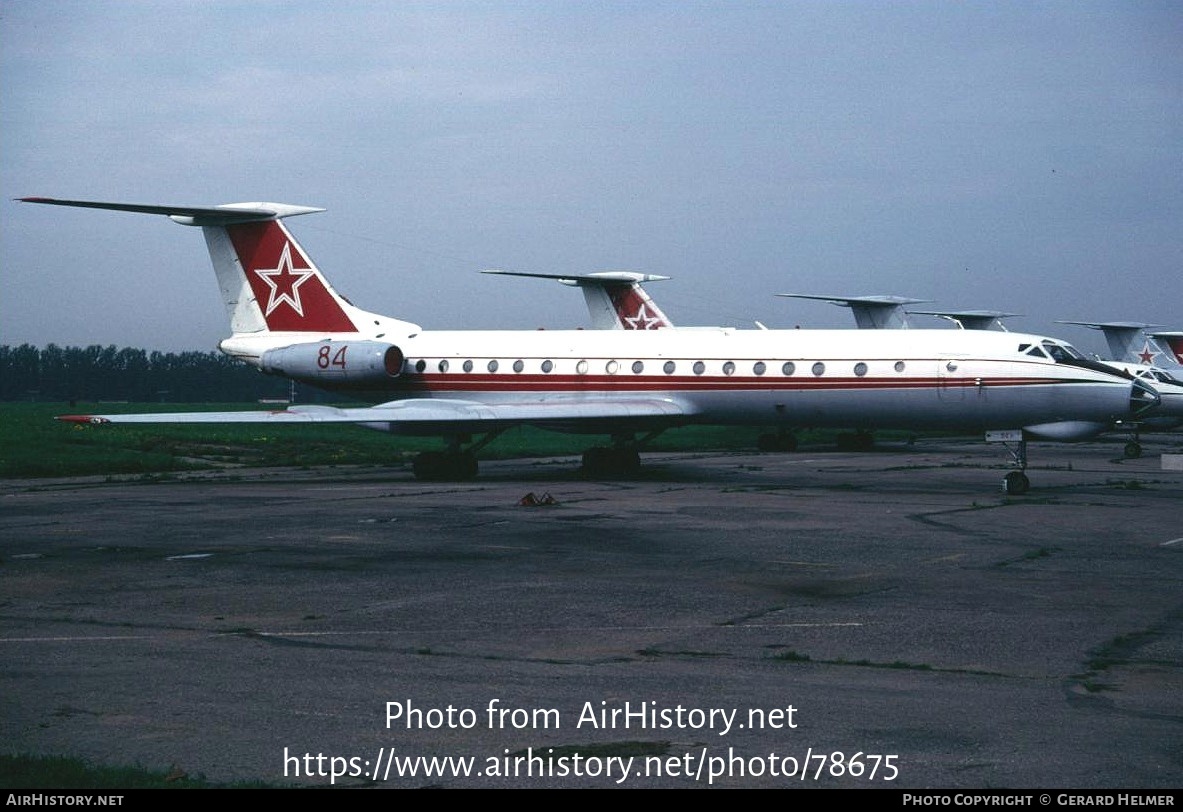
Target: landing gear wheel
[
  {"x": 599, "y": 462},
  {"x": 856, "y": 441},
  {"x": 628, "y": 460},
  {"x": 1016, "y": 483},
  {"x": 784, "y": 442},
  {"x": 445, "y": 466},
  {"x": 595, "y": 461},
  {"x": 1133, "y": 450}
]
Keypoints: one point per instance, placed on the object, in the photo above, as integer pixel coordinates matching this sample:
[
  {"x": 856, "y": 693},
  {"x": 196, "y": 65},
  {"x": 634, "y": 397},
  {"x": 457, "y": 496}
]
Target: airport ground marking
[{"x": 75, "y": 639}]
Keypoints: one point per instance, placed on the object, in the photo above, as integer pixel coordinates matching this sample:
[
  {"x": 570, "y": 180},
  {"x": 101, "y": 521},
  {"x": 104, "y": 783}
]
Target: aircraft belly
[
  {"x": 904, "y": 408},
  {"x": 977, "y": 406}
]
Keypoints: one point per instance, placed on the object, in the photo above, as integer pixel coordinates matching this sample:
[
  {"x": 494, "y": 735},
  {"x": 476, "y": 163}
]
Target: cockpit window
[
  {"x": 1037, "y": 352},
  {"x": 1062, "y": 353},
  {"x": 1166, "y": 377}
]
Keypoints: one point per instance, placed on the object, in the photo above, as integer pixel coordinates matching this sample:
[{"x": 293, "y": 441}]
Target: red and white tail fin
[
  {"x": 631, "y": 304},
  {"x": 1128, "y": 341},
  {"x": 268, "y": 283},
  {"x": 1174, "y": 341},
  {"x": 287, "y": 292},
  {"x": 615, "y": 299}
]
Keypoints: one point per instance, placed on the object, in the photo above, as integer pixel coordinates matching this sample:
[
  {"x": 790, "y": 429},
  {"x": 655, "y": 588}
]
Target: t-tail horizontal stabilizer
[
  {"x": 268, "y": 283},
  {"x": 870, "y": 312},
  {"x": 971, "y": 319},
  {"x": 615, "y": 299}
]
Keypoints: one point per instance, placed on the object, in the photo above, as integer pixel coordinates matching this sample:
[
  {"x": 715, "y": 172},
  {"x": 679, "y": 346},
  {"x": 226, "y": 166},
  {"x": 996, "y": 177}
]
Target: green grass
[{"x": 33, "y": 444}]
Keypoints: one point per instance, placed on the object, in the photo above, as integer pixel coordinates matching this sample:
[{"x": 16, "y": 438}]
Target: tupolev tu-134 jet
[{"x": 287, "y": 320}]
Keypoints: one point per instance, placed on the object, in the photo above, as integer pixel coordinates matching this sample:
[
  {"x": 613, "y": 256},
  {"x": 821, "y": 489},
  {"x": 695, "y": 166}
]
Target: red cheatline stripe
[{"x": 511, "y": 382}]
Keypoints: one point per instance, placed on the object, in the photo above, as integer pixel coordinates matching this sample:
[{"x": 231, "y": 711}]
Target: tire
[{"x": 1015, "y": 483}]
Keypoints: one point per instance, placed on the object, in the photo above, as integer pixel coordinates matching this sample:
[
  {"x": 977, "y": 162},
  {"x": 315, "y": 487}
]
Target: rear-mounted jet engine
[{"x": 347, "y": 364}]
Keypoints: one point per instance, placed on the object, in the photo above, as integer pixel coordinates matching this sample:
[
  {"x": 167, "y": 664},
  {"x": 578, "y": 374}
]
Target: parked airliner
[
  {"x": 1132, "y": 342},
  {"x": 286, "y": 319}
]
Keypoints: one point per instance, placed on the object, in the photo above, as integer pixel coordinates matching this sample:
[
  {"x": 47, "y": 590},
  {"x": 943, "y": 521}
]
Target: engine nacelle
[{"x": 336, "y": 364}]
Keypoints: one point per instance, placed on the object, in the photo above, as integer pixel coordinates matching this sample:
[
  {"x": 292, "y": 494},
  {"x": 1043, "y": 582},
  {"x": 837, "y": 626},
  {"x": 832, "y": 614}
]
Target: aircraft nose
[{"x": 1143, "y": 398}]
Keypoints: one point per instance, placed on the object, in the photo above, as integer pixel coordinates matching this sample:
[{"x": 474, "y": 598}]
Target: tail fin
[
  {"x": 1126, "y": 339},
  {"x": 615, "y": 299},
  {"x": 284, "y": 290},
  {"x": 631, "y": 304},
  {"x": 268, "y": 282},
  {"x": 1174, "y": 341}
]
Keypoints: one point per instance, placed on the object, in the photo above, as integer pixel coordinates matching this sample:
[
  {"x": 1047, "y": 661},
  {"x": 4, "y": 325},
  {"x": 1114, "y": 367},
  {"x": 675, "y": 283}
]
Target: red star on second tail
[{"x": 1147, "y": 354}]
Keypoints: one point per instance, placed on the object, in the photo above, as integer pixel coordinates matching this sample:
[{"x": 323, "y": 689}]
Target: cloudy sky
[{"x": 1016, "y": 156}]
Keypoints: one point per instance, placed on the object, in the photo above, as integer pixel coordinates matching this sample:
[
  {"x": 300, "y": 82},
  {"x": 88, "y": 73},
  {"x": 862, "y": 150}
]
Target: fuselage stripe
[{"x": 513, "y": 382}]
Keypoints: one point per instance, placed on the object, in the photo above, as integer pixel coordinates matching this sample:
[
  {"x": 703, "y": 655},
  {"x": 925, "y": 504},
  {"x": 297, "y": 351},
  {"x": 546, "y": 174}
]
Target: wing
[{"x": 439, "y": 416}]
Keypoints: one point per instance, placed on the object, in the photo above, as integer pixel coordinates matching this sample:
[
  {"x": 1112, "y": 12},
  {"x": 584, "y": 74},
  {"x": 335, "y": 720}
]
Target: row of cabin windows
[{"x": 612, "y": 367}]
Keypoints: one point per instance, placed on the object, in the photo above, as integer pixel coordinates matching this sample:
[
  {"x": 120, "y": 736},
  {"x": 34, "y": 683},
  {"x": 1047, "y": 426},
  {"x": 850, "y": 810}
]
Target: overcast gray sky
[{"x": 1018, "y": 156}]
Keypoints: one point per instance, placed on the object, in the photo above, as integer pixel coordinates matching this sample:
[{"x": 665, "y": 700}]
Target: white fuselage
[{"x": 885, "y": 379}]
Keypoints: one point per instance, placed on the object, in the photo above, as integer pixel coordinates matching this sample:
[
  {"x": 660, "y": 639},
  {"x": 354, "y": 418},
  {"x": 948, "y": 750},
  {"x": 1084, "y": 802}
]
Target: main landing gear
[
  {"x": 457, "y": 464},
  {"x": 783, "y": 441},
  {"x": 856, "y": 441},
  {"x": 445, "y": 466},
  {"x": 622, "y": 458},
  {"x": 600, "y": 461}
]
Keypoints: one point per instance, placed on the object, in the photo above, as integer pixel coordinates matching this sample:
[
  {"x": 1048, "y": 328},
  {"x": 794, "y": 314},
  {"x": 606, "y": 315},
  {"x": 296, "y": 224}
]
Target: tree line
[{"x": 97, "y": 373}]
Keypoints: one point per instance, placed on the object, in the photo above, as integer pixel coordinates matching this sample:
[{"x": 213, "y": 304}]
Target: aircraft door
[{"x": 951, "y": 382}]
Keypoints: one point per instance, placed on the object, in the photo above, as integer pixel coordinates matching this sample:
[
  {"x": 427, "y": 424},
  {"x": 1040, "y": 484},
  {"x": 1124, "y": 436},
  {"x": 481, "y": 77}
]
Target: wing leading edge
[{"x": 434, "y": 415}]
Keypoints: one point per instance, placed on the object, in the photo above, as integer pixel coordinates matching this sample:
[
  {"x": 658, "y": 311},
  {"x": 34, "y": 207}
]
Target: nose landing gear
[{"x": 1015, "y": 483}]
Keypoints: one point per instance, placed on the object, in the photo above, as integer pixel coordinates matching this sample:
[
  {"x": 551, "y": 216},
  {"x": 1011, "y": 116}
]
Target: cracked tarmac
[{"x": 898, "y": 600}]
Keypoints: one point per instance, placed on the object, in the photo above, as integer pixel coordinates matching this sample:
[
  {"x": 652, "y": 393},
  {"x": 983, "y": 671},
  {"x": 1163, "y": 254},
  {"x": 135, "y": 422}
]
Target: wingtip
[{"x": 84, "y": 419}]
